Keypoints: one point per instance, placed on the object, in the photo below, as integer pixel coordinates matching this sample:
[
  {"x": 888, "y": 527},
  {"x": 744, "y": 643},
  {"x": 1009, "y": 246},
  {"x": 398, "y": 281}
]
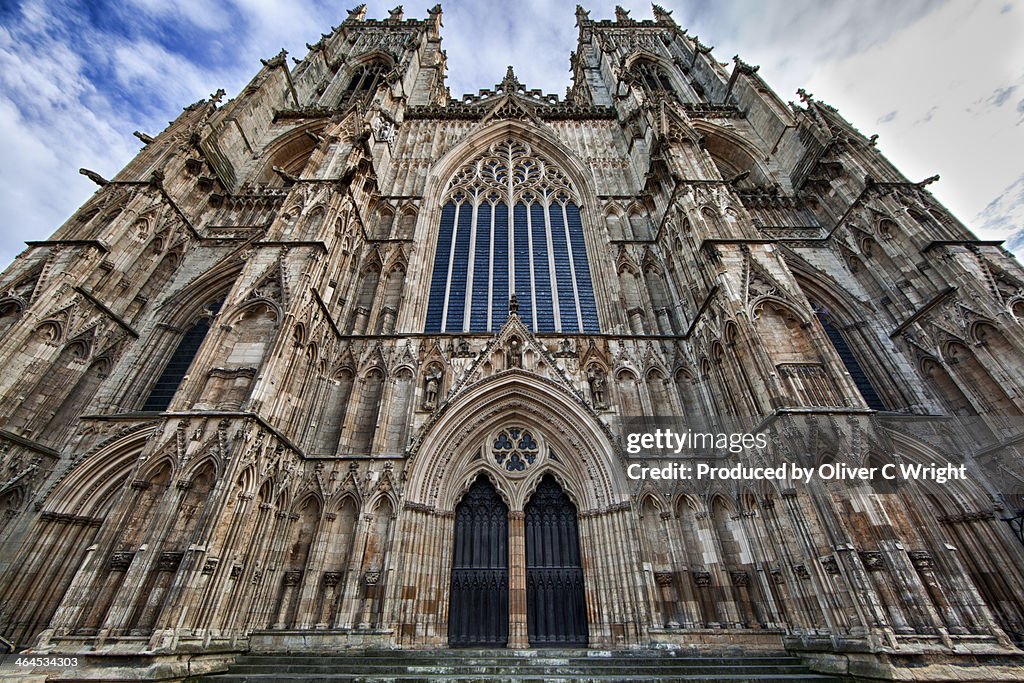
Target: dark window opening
[
  {"x": 165, "y": 388},
  {"x": 365, "y": 80},
  {"x": 653, "y": 76},
  {"x": 860, "y": 378}
]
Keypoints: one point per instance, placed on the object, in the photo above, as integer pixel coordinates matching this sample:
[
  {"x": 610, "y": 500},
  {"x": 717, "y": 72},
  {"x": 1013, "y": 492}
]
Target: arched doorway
[
  {"x": 555, "y": 603},
  {"x": 478, "y": 608},
  {"x": 572, "y": 448}
]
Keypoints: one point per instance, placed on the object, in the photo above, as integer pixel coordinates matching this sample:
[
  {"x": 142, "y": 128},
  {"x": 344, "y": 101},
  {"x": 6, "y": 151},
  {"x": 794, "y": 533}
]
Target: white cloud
[
  {"x": 143, "y": 63},
  {"x": 944, "y": 74},
  {"x": 200, "y": 13},
  {"x": 952, "y": 72},
  {"x": 1004, "y": 216}
]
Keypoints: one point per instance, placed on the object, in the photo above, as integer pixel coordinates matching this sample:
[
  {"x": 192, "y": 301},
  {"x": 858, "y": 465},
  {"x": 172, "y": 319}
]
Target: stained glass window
[
  {"x": 515, "y": 449},
  {"x": 177, "y": 367},
  {"x": 511, "y": 223}
]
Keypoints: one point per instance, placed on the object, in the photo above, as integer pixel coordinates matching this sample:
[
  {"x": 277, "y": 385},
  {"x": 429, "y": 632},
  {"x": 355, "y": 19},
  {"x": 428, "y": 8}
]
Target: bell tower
[{"x": 336, "y": 362}]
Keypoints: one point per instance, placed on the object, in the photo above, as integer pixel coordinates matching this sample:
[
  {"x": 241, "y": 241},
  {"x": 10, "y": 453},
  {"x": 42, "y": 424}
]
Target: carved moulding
[
  {"x": 169, "y": 561},
  {"x": 872, "y": 560},
  {"x": 663, "y": 578},
  {"x": 921, "y": 559},
  {"x": 530, "y": 407},
  {"x": 120, "y": 561}
]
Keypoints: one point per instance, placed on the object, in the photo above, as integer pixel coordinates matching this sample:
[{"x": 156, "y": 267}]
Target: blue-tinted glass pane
[
  {"x": 563, "y": 273},
  {"x": 439, "y": 278},
  {"x": 177, "y": 367},
  {"x": 460, "y": 270},
  {"x": 579, "y": 255},
  {"x": 481, "y": 270},
  {"x": 499, "y": 298},
  {"x": 545, "y": 312},
  {"x": 174, "y": 373},
  {"x": 522, "y": 264},
  {"x": 857, "y": 374}
]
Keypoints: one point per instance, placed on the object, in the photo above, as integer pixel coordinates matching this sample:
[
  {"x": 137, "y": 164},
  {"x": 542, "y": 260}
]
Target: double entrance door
[{"x": 478, "y": 614}]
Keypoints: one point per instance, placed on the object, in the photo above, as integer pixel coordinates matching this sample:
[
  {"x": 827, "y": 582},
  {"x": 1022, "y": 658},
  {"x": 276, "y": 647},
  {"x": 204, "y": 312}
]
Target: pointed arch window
[
  {"x": 365, "y": 79},
  {"x": 652, "y": 75},
  {"x": 857, "y": 374},
  {"x": 177, "y": 367},
  {"x": 511, "y": 224}
]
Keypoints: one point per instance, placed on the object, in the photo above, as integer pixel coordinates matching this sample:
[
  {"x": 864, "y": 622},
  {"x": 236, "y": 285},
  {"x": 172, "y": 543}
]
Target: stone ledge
[
  {"x": 719, "y": 641},
  {"x": 981, "y": 663},
  {"x": 98, "y": 666},
  {"x": 320, "y": 640}
]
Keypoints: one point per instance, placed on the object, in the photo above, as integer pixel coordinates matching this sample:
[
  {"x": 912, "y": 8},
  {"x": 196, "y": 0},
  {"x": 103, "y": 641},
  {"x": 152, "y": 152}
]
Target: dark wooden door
[
  {"x": 556, "y": 612},
  {"x": 478, "y": 607}
]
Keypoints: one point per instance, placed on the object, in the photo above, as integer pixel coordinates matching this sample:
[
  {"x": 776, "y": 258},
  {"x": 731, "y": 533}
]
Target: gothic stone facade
[{"x": 249, "y": 382}]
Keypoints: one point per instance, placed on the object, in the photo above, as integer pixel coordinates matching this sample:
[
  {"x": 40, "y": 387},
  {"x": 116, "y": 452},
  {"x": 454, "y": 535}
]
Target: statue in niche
[
  {"x": 432, "y": 387},
  {"x": 514, "y": 355},
  {"x": 565, "y": 348},
  {"x": 597, "y": 381},
  {"x": 513, "y": 305}
]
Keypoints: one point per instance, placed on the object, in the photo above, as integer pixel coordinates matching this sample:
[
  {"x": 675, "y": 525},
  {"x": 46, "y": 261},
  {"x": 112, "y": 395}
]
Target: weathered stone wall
[{"x": 304, "y": 471}]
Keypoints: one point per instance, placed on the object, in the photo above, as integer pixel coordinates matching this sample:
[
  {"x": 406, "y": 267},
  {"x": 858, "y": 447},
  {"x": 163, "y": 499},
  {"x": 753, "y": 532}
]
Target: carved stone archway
[{"x": 574, "y": 449}]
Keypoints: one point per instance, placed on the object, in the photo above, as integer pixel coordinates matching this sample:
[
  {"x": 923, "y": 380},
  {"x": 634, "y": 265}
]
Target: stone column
[{"x": 518, "y": 638}]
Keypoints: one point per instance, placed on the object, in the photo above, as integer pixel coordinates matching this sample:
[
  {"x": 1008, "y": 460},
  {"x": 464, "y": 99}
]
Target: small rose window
[{"x": 515, "y": 449}]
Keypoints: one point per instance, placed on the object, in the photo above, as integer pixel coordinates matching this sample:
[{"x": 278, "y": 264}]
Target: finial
[
  {"x": 805, "y": 97},
  {"x": 280, "y": 59},
  {"x": 510, "y": 83},
  {"x": 581, "y": 14},
  {"x": 662, "y": 15},
  {"x": 435, "y": 10},
  {"x": 745, "y": 67},
  {"x": 396, "y": 14},
  {"x": 622, "y": 15},
  {"x": 358, "y": 13}
]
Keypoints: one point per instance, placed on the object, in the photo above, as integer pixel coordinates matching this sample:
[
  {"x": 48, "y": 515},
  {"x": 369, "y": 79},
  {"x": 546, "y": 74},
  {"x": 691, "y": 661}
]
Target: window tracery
[
  {"x": 515, "y": 449},
  {"x": 652, "y": 76},
  {"x": 365, "y": 80},
  {"x": 511, "y": 225}
]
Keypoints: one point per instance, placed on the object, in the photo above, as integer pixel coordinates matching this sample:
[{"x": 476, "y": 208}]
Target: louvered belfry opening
[
  {"x": 511, "y": 224},
  {"x": 556, "y": 612},
  {"x": 478, "y": 608}
]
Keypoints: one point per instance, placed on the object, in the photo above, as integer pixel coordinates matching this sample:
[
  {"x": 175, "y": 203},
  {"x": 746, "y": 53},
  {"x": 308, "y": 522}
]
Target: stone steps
[{"x": 407, "y": 666}]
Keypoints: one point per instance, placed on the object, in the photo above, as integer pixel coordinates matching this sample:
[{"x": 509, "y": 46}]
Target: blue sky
[{"x": 941, "y": 81}]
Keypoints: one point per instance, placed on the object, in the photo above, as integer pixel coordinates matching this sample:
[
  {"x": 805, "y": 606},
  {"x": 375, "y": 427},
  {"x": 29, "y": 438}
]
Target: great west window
[{"x": 486, "y": 251}]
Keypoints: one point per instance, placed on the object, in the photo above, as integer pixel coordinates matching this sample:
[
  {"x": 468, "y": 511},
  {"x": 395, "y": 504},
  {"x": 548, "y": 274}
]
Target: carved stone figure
[
  {"x": 432, "y": 386},
  {"x": 330, "y": 364},
  {"x": 514, "y": 354},
  {"x": 597, "y": 381}
]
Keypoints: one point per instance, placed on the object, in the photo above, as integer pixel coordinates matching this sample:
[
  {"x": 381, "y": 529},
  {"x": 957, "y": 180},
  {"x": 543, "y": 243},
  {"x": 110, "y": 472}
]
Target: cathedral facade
[{"x": 342, "y": 363}]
